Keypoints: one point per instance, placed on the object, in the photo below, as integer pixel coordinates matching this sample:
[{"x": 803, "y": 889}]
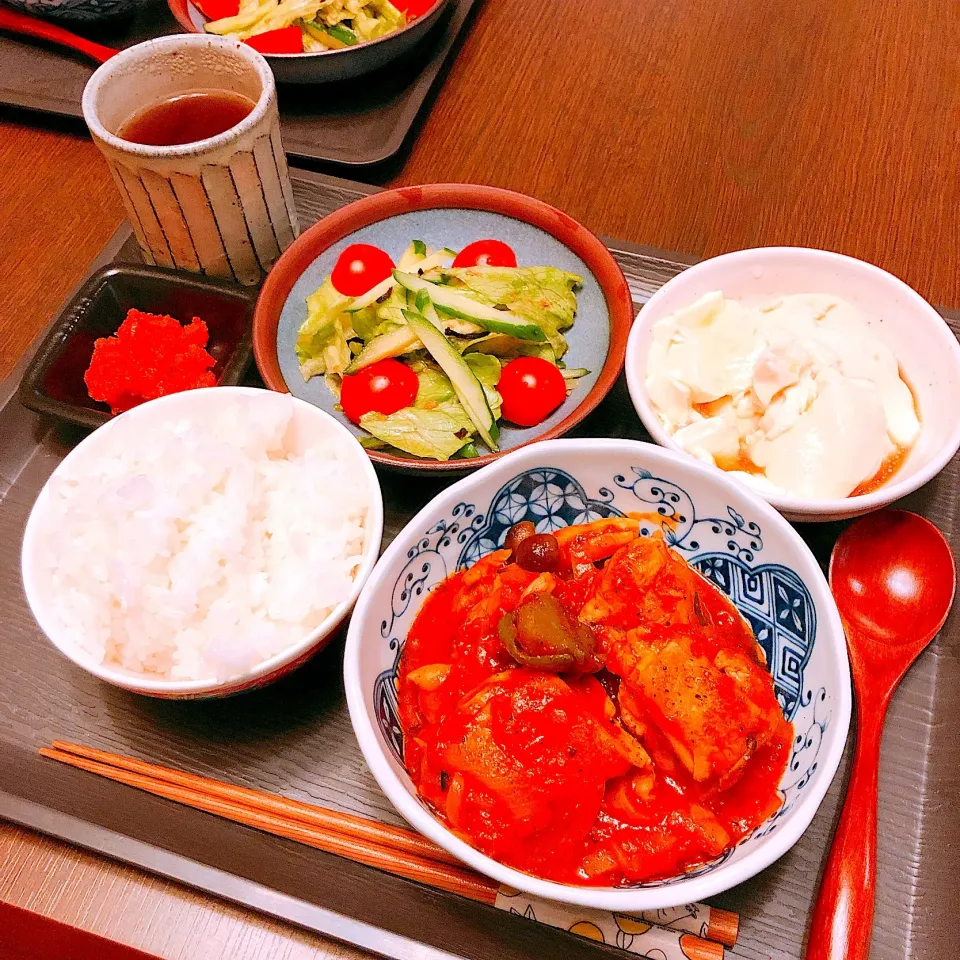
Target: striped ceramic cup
[{"x": 222, "y": 206}]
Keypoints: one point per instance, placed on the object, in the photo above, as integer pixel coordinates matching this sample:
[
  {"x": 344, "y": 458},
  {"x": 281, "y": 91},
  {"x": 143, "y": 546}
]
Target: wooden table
[{"x": 683, "y": 125}]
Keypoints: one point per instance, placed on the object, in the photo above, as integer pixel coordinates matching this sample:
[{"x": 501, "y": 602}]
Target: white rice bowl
[{"x": 201, "y": 538}]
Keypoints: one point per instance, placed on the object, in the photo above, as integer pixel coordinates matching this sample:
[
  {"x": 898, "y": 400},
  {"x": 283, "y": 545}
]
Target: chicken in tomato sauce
[{"x": 585, "y": 707}]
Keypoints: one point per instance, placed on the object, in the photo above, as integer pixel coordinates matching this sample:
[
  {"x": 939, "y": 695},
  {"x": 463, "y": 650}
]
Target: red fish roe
[{"x": 149, "y": 357}]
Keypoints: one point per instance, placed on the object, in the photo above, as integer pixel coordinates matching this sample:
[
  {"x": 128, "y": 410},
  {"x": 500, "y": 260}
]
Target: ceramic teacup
[{"x": 222, "y": 206}]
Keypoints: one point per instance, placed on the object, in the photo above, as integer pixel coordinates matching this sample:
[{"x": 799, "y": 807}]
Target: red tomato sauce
[{"x": 668, "y": 756}]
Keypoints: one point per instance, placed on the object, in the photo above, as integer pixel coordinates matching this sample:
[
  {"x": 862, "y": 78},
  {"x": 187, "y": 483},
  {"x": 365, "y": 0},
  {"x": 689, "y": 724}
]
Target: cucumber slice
[
  {"x": 415, "y": 252},
  {"x": 449, "y": 326},
  {"x": 468, "y": 388},
  {"x": 397, "y": 342},
  {"x": 449, "y": 301},
  {"x": 434, "y": 260},
  {"x": 507, "y": 347},
  {"x": 467, "y": 452},
  {"x": 385, "y": 286},
  {"x": 319, "y": 33},
  {"x": 574, "y": 373},
  {"x": 371, "y": 296},
  {"x": 384, "y": 347},
  {"x": 421, "y": 300},
  {"x": 462, "y": 328}
]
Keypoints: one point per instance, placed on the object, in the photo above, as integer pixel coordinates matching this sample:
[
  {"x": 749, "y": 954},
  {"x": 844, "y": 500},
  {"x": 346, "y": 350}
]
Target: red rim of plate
[
  {"x": 390, "y": 203},
  {"x": 181, "y": 13}
]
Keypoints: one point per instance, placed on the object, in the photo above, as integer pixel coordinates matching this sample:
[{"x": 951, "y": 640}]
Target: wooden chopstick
[
  {"x": 392, "y": 849},
  {"x": 381, "y": 834},
  {"x": 443, "y": 876}
]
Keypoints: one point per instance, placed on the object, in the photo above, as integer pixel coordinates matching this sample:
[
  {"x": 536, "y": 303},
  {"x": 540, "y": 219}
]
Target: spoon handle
[
  {"x": 842, "y": 921},
  {"x": 14, "y": 22}
]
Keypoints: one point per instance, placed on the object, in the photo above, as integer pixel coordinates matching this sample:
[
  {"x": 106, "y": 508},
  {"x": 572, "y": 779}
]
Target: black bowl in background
[
  {"x": 80, "y": 12},
  {"x": 53, "y": 384}
]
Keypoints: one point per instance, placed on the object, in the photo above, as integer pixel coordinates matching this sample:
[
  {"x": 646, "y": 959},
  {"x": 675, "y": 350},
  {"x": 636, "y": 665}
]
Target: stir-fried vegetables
[
  {"x": 321, "y": 24},
  {"x": 457, "y": 329}
]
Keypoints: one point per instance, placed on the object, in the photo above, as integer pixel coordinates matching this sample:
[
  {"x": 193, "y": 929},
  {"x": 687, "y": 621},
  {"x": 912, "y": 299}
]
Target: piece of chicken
[
  {"x": 644, "y": 584},
  {"x": 700, "y": 681},
  {"x": 715, "y": 712},
  {"x": 584, "y": 544},
  {"x": 535, "y": 744}
]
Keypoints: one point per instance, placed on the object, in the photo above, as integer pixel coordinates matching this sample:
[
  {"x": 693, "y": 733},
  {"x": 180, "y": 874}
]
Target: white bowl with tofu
[
  {"x": 731, "y": 538},
  {"x": 824, "y": 383}
]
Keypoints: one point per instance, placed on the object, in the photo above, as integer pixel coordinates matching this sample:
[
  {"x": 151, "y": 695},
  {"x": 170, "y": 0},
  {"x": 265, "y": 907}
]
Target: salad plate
[
  {"x": 453, "y": 216},
  {"x": 348, "y": 55},
  {"x": 357, "y": 123}
]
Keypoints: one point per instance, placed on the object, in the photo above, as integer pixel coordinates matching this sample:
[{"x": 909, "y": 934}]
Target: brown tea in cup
[{"x": 186, "y": 118}]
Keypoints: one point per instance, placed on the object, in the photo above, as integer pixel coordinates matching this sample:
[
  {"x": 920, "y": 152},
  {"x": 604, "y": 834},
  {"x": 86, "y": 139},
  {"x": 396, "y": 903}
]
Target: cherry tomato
[
  {"x": 414, "y": 8},
  {"x": 218, "y": 9},
  {"x": 486, "y": 253},
  {"x": 360, "y": 268},
  {"x": 532, "y": 388},
  {"x": 284, "y": 40},
  {"x": 386, "y": 386}
]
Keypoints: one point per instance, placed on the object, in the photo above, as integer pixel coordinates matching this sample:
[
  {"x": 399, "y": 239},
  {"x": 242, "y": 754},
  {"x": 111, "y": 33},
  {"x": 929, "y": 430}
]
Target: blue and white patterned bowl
[{"x": 733, "y": 537}]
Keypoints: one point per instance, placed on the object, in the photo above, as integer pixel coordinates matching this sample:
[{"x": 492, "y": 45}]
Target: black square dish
[{"x": 53, "y": 384}]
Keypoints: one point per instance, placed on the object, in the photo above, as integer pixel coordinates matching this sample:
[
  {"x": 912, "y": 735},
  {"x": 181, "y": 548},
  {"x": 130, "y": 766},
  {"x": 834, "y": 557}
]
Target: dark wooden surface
[
  {"x": 295, "y": 738},
  {"x": 355, "y": 122}
]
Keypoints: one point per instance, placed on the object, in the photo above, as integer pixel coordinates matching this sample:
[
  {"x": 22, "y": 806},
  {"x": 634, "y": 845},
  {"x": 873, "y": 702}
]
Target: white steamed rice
[{"x": 203, "y": 549}]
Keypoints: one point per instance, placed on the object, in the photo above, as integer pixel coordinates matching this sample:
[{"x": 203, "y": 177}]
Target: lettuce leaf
[
  {"x": 487, "y": 370},
  {"x": 249, "y": 14},
  {"x": 435, "y": 386},
  {"x": 545, "y": 295},
  {"x": 505, "y": 347},
  {"x": 436, "y": 393},
  {"x": 321, "y": 345},
  {"x": 390, "y": 13},
  {"x": 433, "y": 434},
  {"x": 269, "y": 16},
  {"x": 435, "y": 427},
  {"x": 365, "y": 322},
  {"x": 380, "y": 318}
]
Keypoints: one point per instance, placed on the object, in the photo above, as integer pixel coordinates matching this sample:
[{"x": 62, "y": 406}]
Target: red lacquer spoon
[
  {"x": 893, "y": 577},
  {"x": 28, "y": 26}
]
